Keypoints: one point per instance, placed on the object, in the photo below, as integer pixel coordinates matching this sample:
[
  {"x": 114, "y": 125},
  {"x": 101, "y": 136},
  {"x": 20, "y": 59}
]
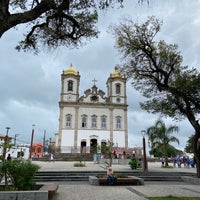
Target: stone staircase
[{"x": 71, "y": 176}]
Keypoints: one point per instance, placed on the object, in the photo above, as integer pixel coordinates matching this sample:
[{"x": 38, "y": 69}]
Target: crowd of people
[{"x": 179, "y": 161}]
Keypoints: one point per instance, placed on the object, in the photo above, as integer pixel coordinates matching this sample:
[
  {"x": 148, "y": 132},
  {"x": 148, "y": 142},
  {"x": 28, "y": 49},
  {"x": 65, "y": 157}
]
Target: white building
[{"x": 92, "y": 119}]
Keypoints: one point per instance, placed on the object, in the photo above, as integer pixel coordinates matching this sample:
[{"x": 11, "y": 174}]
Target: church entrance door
[
  {"x": 93, "y": 146},
  {"x": 83, "y": 146}
]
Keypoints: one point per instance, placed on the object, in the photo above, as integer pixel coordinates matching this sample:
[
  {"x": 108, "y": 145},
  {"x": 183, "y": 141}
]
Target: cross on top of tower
[{"x": 94, "y": 81}]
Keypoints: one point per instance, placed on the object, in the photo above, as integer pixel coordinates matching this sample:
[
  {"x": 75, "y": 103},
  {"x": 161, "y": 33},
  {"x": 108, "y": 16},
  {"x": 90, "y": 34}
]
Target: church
[{"x": 94, "y": 118}]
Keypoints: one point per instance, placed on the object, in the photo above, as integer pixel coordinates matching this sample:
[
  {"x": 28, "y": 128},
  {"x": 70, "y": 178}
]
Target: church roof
[
  {"x": 71, "y": 70},
  {"x": 116, "y": 74}
]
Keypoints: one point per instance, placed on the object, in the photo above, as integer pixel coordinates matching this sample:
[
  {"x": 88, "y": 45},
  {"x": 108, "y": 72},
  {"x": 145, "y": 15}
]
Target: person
[
  {"x": 8, "y": 157},
  {"x": 51, "y": 157},
  {"x": 110, "y": 176}
]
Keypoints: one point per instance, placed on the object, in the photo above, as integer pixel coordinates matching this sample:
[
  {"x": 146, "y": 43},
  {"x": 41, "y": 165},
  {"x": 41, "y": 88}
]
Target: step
[{"x": 83, "y": 176}]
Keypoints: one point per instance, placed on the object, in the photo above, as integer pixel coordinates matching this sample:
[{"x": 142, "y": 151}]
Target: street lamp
[
  {"x": 31, "y": 145},
  {"x": 5, "y": 143},
  {"x": 145, "y": 168}
]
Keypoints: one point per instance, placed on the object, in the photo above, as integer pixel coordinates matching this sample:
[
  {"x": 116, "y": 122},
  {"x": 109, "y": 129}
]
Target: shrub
[
  {"x": 80, "y": 164},
  {"x": 21, "y": 173},
  {"x": 133, "y": 163}
]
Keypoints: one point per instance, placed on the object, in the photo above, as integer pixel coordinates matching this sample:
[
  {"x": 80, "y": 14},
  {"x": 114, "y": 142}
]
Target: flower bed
[{"x": 130, "y": 180}]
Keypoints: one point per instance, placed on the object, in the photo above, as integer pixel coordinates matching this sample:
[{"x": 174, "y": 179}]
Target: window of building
[
  {"x": 118, "y": 122},
  {"x": 84, "y": 121},
  {"x": 118, "y": 88},
  {"x": 68, "y": 120},
  {"x": 70, "y": 85},
  {"x": 94, "y": 121},
  {"x": 103, "y": 121}
]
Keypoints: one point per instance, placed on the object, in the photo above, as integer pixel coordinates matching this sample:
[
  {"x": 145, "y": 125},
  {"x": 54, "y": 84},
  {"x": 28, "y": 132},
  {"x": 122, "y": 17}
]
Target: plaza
[{"x": 83, "y": 190}]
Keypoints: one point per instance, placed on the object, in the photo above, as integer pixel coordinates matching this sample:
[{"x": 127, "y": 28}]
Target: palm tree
[{"x": 160, "y": 137}]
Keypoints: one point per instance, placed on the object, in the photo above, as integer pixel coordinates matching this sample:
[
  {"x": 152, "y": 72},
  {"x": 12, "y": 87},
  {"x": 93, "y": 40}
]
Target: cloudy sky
[{"x": 30, "y": 85}]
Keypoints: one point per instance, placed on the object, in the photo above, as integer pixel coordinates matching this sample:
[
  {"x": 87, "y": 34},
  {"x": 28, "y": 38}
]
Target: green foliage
[
  {"x": 80, "y": 164},
  {"x": 160, "y": 136},
  {"x": 93, "y": 149},
  {"x": 5, "y": 146},
  {"x": 133, "y": 163},
  {"x": 107, "y": 151},
  {"x": 53, "y": 23},
  {"x": 21, "y": 173},
  {"x": 156, "y": 71},
  {"x": 171, "y": 151},
  {"x": 120, "y": 175},
  {"x": 188, "y": 147},
  {"x": 117, "y": 175}
]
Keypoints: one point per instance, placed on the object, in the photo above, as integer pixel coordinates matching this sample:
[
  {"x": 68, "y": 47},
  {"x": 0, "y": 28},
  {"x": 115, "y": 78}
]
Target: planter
[
  {"x": 43, "y": 193},
  {"x": 130, "y": 180},
  {"x": 21, "y": 195}
]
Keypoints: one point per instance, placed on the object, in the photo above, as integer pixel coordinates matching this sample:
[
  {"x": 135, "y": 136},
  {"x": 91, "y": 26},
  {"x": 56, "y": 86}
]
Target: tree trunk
[
  {"x": 196, "y": 149},
  {"x": 165, "y": 155}
]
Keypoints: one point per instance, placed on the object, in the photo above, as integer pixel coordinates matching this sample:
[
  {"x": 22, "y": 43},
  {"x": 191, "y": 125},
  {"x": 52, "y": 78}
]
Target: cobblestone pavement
[{"x": 85, "y": 191}]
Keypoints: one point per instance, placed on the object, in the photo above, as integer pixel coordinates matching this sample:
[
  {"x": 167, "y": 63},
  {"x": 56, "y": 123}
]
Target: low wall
[
  {"x": 93, "y": 180},
  {"x": 191, "y": 180},
  {"x": 21, "y": 195}
]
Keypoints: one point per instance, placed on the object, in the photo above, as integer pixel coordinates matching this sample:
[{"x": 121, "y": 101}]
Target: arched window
[
  {"x": 68, "y": 120},
  {"x": 84, "y": 121},
  {"x": 94, "y": 121},
  {"x": 118, "y": 88},
  {"x": 103, "y": 121},
  {"x": 70, "y": 85},
  {"x": 118, "y": 122}
]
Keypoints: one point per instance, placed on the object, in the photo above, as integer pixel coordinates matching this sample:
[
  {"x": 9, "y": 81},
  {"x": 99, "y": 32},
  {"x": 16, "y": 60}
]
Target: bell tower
[
  {"x": 70, "y": 80},
  {"x": 116, "y": 87}
]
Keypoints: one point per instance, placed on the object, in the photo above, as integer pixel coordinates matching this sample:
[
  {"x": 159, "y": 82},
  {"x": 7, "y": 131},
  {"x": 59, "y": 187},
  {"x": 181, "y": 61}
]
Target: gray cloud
[{"x": 30, "y": 85}]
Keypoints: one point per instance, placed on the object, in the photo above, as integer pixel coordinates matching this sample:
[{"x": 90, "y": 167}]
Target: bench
[
  {"x": 51, "y": 188},
  {"x": 121, "y": 181}
]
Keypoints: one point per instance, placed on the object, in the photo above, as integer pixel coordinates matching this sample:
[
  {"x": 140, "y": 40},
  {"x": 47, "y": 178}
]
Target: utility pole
[
  {"x": 44, "y": 145},
  {"x": 5, "y": 143},
  {"x": 31, "y": 145},
  {"x": 15, "y": 139},
  {"x": 145, "y": 168}
]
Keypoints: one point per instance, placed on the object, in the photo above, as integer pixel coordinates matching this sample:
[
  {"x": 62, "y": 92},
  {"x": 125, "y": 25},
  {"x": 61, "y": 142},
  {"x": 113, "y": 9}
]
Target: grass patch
[
  {"x": 80, "y": 164},
  {"x": 173, "y": 198},
  {"x": 167, "y": 166}
]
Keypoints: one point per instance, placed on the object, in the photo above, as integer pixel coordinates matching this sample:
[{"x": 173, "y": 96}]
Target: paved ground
[{"x": 84, "y": 191}]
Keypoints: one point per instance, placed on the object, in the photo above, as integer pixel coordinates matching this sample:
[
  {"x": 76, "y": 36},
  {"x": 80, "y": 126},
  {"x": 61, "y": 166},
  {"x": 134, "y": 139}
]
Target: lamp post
[
  {"x": 31, "y": 145},
  {"x": 15, "y": 139},
  {"x": 5, "y": 143},
  {"x": 145, "y": 168}
]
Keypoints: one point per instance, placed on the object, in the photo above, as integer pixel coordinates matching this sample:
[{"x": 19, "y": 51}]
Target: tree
[
  {"x": 171, "y": 151},
  {"x": 188, "y": 147},
  {"x": 107, "y": 151},
  {"x": 53, "y": 22},
  {"x": 155, "y": 70},
  {"x": 160, "y": 137}
]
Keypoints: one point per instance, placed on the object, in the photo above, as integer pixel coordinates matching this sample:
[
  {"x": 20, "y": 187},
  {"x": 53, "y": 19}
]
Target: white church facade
[{"x": 88, "y": 121}]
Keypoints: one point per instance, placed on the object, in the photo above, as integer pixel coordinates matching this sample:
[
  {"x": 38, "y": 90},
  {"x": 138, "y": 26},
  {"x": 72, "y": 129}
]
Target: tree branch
[
  {"x": 19, "y": 18},
  {"x": 4, "y": 13}
]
